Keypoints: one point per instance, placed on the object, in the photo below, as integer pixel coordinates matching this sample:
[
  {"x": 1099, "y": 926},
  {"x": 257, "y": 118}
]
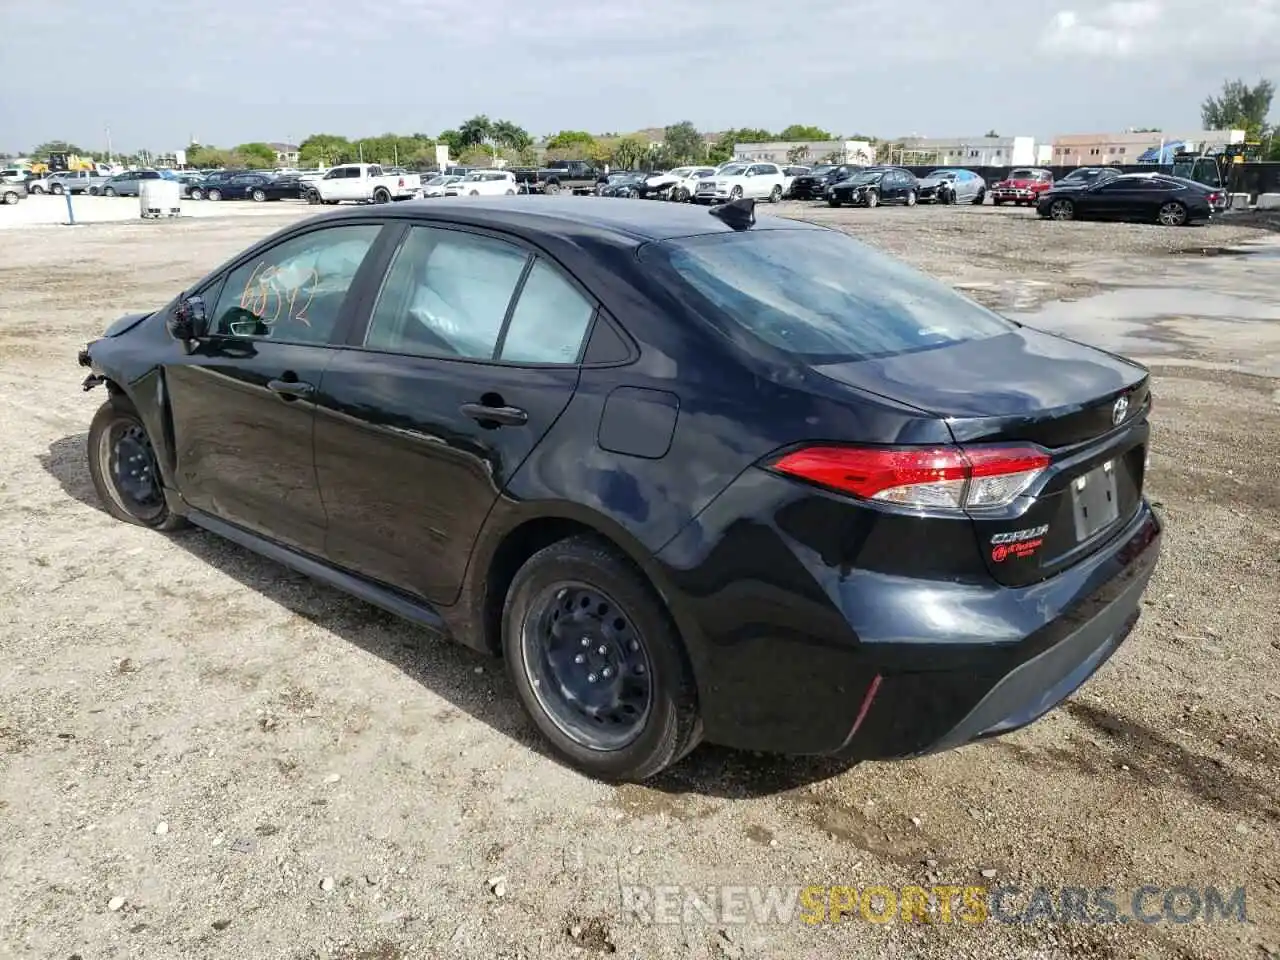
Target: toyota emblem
[{"x": 1120, "y": 411}]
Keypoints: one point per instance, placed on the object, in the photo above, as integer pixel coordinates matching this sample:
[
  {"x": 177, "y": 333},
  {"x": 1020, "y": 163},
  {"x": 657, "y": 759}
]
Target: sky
[{"x": 233, "y": 71}]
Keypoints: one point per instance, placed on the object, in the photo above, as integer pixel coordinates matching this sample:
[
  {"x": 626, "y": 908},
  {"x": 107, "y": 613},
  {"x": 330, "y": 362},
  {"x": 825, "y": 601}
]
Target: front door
[
  {"x": 470, "y": 355},
  {"x": 243, "y": 403}
]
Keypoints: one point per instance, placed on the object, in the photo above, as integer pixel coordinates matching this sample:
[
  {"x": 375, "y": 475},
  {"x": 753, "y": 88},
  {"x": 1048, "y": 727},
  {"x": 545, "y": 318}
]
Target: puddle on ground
[
  {"x": 1269, "y": 252},
  {"x": 1166, "y": 320}
]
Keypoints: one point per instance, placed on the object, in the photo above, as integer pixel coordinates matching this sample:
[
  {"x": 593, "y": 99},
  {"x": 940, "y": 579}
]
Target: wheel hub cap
[
  {"x": 133, "y": 470},
  {"x": 588, "y": 666}
]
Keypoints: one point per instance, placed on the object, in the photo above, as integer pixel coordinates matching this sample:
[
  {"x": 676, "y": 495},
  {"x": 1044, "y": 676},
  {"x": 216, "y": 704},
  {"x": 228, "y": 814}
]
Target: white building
[
  {"x": 1098, "y": 149},
  {"x": 807, "y": 152},
  {"x": 964, "y": 151}
]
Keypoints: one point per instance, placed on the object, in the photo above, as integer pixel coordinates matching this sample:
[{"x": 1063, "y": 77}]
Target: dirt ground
[{"x": 204, "y": 755}]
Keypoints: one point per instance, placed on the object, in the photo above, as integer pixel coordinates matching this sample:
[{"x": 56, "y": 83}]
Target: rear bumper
[{"x": 866, "y": 665}]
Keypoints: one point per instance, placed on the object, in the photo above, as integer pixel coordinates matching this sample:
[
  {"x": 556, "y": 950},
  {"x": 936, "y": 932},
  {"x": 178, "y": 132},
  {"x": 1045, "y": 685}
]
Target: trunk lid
[{"x": 1086, "y": 407}]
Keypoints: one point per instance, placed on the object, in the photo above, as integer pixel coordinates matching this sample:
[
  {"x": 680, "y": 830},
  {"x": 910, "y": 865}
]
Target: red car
[{"x": 1023, "y": 186}]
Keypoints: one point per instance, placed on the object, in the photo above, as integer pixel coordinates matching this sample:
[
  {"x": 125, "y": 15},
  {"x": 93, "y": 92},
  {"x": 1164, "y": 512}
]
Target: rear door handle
[
  {"x": 290, "y": 389},
  {"x": 508, "y": 416}
]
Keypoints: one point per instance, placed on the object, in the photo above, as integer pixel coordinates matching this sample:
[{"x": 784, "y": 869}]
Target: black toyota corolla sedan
[{"x": 694, "y": 475}]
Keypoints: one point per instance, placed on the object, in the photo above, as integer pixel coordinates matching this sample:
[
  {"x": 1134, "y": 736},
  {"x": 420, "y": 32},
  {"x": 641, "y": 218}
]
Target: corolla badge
[{"x": 1120, "y": 411}]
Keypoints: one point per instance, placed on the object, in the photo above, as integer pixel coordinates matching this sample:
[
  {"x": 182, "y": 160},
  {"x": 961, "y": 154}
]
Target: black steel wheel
[
  {"x": 598, "y": 663},
  {"x": 124, "y": 469}
]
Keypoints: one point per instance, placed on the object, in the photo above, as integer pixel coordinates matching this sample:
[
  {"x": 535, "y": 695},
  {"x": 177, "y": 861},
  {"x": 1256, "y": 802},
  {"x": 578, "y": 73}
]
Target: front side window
[
  {"x": 446, "y": 295},
  {"x": 819, "y": 294},
  {"x": 294, "y": 291}
]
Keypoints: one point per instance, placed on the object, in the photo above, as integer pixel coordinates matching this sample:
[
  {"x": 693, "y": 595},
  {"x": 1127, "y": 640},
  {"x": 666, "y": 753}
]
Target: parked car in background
[
  {"x": 949, "y": 185},
  {"x": 126, "y": 184},
  {"x": 813, "y": 185},
  {"x": 789, "y": 175},
  {"x": 436, "y": 185},
  {"x": 872, "y": 186},
  {"x": 1136, "y": 197},
  {"x": 744, "y": 180},
  {"x": 632, "y": 184},
  {"x": 12, "y": 191},
  {"x": 1023, "y": 186},
  {"x": 14, "y": 175},
  {"x": 191, "y": 185},
  {"x": 571, "y": 176},
  {"x": 40, "y": 184},
  {"x": 75, "y": 181},
  {"x": 683, "y": 189},
  {"x": 259, "y": 187},
  {"x": 365, "y": 183},
  {"x": 1083, "y": 177},
  {"x": 910, "y": 523},
  {"x": 484, "y": 183}
]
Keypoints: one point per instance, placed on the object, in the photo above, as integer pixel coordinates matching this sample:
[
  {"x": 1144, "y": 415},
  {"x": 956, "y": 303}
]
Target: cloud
[{"x": 1172, "y": 31}]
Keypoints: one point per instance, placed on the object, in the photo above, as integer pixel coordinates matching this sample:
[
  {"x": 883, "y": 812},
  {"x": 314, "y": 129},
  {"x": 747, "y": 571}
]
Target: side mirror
[{"x": 188, "y": 321}]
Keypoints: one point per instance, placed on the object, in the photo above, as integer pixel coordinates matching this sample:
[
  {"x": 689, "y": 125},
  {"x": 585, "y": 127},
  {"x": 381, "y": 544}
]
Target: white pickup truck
[{"x": 363, "y": 182}]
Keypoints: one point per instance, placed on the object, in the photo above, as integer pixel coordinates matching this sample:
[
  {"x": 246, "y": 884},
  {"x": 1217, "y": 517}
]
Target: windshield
[
  {"x": 868, "y": 176},
  {"x": 825, "y": 168},
  {"x": 943, "y": 174},
  {"x": 437, "y": 181},
  {"x": 733, "y": 170},
  {"x": 680, "y": 172},
  {"x": 1025, "y": 175},
  {"x": 820, "y": 295}
]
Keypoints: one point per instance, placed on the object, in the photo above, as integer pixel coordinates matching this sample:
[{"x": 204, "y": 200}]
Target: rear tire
[
  {"x": 624, "y": 714},
  {"x": 980, "y": 198},
  {"x": 37, "y": 191},
  {"x": 123, "y": 468},
  {"x": 551, "y": 189},
  {"x": 56, "y": 189},
  {"x": 911, "y": 198},
  {"x": 1062, "y": 210},
  {"x": 381, "y": 195},
  {"x": 215, "y": 195},
  {"x": 197, "y": 193},
  {"x": 10, "y": 198},
  {"x": 832, "y": 202},
  {"x": 1172, "y": 214},
  {"x": 775, "y": 195},
  {"x": 109, "y": 192}
]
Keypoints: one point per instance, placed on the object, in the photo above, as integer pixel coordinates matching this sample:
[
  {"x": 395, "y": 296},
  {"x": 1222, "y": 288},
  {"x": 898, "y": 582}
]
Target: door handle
[
  {"x": 290, "y": 389},
  {"x": 508, "y": 416}
]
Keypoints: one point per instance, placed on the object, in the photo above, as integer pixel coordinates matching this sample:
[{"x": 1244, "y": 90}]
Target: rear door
[{"x": 469, "y": 355}]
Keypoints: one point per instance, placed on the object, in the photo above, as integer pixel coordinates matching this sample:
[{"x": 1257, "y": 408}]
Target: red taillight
[
  {"x": 402, "y": 181},
  {"x": 946, "y": 478}
]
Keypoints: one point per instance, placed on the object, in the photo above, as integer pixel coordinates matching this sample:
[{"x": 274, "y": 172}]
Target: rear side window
[
  {"x": 446, "y": 295},
  {"x": 819, "y": 295},
  {"x": 550, "y": 320}
]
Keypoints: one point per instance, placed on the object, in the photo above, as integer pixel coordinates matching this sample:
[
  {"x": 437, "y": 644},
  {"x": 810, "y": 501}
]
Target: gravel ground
[{"x": 203, "y": 755}]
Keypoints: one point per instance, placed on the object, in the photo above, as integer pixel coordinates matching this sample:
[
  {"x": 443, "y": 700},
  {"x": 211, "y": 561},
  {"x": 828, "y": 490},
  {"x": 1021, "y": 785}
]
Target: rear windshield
[{"x": 820, "y": 295}]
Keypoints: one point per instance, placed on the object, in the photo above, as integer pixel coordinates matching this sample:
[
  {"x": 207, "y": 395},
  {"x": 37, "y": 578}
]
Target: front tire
[
  {"x": 381, "y": 195},
  {"x": 124, "y": 470},
  {"x": 37, "y": 191},
  {"x": 215, "y": 195},
  {"x": 109, "y": 192},
  {"x": 911, "y": 198},
  {"x": 259, "y": 196},
  {"x": 1062, "y": 210},
  {"x": 980, "y": 198},
  {"x": 598, "y": 663},
  {"x": 10, "y": 198},
  {"x": 775, "y": 195},
  {"x": 197, "y": 193},
  {"x": 873, "y": 199},
  {"x": 56, "y": 189},
  {"x": 735, "y": 194}
]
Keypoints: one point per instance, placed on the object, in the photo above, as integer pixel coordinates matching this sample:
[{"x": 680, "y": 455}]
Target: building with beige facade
[{"x": 1099, "y": 149}]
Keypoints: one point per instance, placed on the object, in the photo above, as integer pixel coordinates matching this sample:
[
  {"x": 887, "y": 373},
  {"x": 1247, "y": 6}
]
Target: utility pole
[{"x": 108, "y": 132}]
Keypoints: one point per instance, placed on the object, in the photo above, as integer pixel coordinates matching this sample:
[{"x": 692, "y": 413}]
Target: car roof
[{"x": 569, "y": 216}]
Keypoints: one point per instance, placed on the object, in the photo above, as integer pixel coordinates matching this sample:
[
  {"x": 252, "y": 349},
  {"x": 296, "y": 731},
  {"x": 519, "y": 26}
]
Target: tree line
[{"x": 481, "y": 141}]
